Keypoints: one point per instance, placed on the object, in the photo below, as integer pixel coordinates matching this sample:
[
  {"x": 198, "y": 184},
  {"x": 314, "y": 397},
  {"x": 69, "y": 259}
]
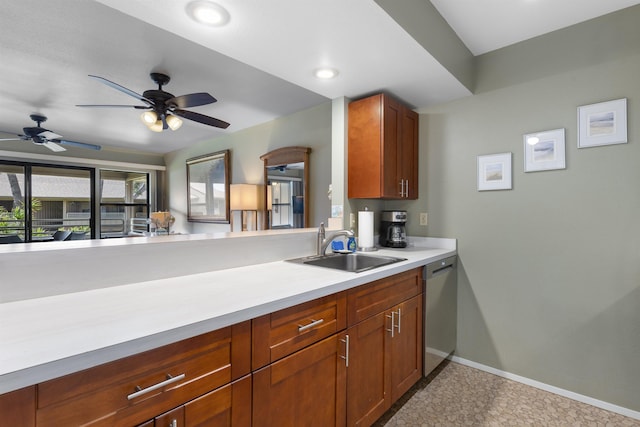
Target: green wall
[
  {"x": 549, "y": 278},
  {"x": 307, "y": 128}
]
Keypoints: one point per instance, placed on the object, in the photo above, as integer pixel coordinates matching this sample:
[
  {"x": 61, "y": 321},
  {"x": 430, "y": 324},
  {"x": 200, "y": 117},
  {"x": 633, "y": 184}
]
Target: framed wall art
[
  {"x": 208, "y": 188},
  {"x": 544, "y": 150},
  {"x": 604, "y": 123},
  {"x": 494, "y": 172}
]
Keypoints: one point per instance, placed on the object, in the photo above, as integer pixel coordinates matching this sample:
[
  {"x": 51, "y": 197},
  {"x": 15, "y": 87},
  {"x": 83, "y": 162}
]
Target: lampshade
[
  {"x": 149, "y": 117},
  {"x": 156, "y": 127},
  {"x": 246, "y": 197},
  {"x": 173, "y": 122}
]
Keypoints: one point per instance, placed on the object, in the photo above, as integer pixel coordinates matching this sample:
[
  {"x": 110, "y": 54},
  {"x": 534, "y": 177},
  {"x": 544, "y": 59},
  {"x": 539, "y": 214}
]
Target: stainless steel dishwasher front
[{"x": 441, "y": 296}]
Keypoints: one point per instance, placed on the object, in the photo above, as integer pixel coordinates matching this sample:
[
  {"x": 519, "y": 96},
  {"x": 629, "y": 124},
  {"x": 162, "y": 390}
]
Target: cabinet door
[
  {"x": 173, "y": 418},
  {"x": 368, "y": 375},
  {"x": 306, "y": 388},
  {"x": 228, "y": 406},
  {"x": 365, "y": 148},
  {"x": 385, "y": 360},
  {"x": 392, "y": 159},
  {"x": 409, "y": 153},
  {"x": 406, "y": 346},
  {"x": 18, "y": 408}
]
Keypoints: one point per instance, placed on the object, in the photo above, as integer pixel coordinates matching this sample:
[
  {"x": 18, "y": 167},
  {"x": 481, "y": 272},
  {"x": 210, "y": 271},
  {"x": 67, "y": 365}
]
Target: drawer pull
[
  {"x": 346, "y": 350},
  {"x": 302, "y": 328},
  {"x": 141, "y": 391},
  {"x": 392, "y": 316}
]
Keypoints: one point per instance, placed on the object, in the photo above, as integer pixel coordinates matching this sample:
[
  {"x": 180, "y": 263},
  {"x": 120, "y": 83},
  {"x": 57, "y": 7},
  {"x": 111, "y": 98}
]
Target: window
[
  {"x": 124, "y": 203},
  {"x": 37, "y": 200}
]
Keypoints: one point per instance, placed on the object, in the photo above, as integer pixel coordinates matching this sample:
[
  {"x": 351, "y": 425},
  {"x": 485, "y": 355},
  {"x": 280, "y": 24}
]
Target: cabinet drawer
[
  {"x": 165, "y": 378},
  {"x": 279, "y": 334},
  {"x": 368, "y": 300}
]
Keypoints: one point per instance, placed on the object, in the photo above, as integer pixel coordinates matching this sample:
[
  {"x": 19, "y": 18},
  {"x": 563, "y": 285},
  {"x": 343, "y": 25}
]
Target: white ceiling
[{"x": 259, "y": 66}]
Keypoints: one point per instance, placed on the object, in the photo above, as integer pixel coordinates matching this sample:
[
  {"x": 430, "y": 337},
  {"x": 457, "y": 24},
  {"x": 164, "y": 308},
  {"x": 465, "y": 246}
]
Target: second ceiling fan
[{"x": 162, "y": 107}]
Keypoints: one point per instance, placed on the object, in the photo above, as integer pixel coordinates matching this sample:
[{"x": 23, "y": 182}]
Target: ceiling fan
[
  {"x": 41, "y": 136},
  {"x": 162, "y": 107}
]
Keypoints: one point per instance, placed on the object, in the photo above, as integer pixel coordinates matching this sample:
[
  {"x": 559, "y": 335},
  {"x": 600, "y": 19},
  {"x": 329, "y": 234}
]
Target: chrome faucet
[{"x": 323, "y": 243}]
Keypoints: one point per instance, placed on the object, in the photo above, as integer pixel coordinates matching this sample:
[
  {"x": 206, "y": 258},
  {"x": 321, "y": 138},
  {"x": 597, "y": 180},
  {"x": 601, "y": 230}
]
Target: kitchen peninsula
[{"x": 60, "y": 322}]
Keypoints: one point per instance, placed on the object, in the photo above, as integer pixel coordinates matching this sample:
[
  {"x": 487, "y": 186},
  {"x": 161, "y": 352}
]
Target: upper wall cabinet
[{"x": 383, "y": 149}]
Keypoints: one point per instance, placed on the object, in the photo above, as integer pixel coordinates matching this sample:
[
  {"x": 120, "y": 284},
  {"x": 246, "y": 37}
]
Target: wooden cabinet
[
  {"x": 382, "y": 149},
  {"x": 135, "y": 389},
  {"x": 306, "y": 388},
  {"x": 385, "y": 345},
  {"x": 279, "y": 334},
  {"x": 304, "y": 380},
  {"x": 18, "y": 408},
  {"x": 338, "y": 360},
  {"x": 228, "y": 406}
]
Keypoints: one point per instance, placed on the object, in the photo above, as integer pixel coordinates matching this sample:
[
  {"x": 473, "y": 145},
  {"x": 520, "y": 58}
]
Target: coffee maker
[{"x": 392, "y": 229}]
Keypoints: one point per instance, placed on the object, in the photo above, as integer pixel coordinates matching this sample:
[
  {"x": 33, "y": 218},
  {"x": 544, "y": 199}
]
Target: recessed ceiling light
[
  {"x": 326, "y": 73},
  {"x": 208, "y": 13}
]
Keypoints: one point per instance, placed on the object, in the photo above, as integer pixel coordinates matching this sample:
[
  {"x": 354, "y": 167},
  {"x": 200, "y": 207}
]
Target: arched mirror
[{"x": 286, "y": 175}]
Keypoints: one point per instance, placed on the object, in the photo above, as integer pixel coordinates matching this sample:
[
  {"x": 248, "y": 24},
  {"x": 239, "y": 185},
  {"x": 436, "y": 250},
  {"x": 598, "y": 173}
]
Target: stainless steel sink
[{"x": 353, "y": 262}]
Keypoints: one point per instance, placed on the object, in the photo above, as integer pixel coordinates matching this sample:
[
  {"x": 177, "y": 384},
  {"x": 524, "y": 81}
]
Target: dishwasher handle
[
  {"x": 440, "y": 267},
  {"x": 440, "y": 271}
]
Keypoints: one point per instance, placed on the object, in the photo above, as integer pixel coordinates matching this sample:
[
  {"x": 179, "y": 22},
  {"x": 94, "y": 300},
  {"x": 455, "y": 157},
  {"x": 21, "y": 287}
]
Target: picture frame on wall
[
  {"x": 544, "y": 150},
  {"x": 208, "y": 187},
  {"x": 604, "y": 123},
  {"x": 494, "y": 172}
]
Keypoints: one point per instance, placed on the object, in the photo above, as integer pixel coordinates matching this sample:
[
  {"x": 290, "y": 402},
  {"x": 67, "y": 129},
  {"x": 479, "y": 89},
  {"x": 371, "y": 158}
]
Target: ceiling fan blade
[
  {"x": 78, "y": 144},
  {"x": 49, "y": 135},
  {"x": 12, "y": 139},
  {"x": 191, "y": 100},
  {"x": 139, "y": 107},
  {"x": 201, "y": 118},
  {"x": 53, "y": 146},
  {"x": 122, "y": 89}
]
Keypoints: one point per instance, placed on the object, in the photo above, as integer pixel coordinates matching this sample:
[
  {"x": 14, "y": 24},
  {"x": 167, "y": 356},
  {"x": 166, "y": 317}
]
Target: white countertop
[{"x": 44, "y": 338}]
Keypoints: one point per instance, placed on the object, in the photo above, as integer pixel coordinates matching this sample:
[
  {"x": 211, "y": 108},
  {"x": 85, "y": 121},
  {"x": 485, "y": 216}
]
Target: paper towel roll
[{"x": 365, "y": 230}]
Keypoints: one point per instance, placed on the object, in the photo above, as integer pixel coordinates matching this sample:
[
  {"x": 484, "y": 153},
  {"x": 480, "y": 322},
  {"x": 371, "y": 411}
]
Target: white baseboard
[{"x": 552, "y": 389}]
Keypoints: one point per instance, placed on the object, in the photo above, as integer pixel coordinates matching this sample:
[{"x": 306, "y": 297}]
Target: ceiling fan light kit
[{"x": 162, "y": 107}]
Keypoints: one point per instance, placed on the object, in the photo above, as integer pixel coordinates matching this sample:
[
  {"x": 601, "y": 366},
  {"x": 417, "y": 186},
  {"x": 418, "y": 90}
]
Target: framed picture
[
  {"x": 494, "y": 172},
  {"x": 544, "y": 150},
  {"x": 604, "y": 123},
  {"x": 208, "y": 188}
]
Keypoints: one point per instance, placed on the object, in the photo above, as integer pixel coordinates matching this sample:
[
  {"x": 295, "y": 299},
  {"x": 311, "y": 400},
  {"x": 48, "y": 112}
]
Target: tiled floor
[{"x": 458, "y": 395}]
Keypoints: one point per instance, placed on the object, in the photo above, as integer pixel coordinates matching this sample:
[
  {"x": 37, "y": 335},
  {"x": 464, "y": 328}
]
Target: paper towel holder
[{"x": 366, "y": 228}]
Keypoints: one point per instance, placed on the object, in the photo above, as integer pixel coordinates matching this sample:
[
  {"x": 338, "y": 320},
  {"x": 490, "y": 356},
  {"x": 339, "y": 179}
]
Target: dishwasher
[{"x": 440, "y": 319}]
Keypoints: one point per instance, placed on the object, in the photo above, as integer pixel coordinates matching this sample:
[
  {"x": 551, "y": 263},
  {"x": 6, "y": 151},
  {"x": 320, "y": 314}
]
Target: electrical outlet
[{"x": 423, "y": 218}]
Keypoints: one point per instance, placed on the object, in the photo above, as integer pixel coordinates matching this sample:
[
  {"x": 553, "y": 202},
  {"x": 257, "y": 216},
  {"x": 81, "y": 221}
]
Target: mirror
[
  {"x": 208, "y": 188},
  {"x": 286, "y": 175}
]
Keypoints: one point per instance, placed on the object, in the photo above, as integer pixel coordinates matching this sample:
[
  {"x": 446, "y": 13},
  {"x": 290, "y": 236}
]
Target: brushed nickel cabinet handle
[
  {"x": 302, "y": 328},
  {"x": 141, "y": 391},
  {"x": 399, "y": 319},
  {"x": 392, "y": 316},
  {"x": 346, "y": 350}
]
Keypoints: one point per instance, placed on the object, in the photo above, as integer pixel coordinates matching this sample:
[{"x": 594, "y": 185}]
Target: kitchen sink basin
[{"x": 353, "y": 262}]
